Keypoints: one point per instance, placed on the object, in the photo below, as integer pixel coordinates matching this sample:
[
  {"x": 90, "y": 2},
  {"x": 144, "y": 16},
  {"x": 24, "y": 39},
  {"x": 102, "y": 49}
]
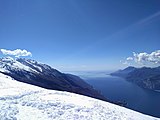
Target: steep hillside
[
  {"x": 35, "y": 73},
  {"x": 145, "y": 77}
]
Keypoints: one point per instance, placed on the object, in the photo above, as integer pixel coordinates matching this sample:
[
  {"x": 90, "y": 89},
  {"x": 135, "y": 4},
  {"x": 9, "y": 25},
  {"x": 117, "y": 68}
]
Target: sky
[{"x": 73, "y": 35}]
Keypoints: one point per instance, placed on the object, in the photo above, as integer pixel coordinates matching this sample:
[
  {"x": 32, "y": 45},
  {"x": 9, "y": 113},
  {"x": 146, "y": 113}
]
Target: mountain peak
[
  {"x": 130, "y": 68},
  {"x": 9, "y": 64},
  {"x": 7, "y": 59}
]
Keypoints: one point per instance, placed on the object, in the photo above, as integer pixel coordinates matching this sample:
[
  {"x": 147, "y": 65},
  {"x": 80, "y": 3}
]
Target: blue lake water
[{"x": 118, "y": 89}]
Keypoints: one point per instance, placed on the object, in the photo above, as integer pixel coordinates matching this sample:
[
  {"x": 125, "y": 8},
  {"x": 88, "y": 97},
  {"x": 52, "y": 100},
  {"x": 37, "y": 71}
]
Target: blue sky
[{"x": 80, "y": 34}]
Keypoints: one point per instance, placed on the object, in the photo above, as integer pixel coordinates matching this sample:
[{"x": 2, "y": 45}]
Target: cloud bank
[
  {"x": 16, "y": 53},
  {"x": 144, "y": 58}
]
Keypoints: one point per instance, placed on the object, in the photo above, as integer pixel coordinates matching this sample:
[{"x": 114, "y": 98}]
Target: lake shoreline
[{"x": 118, "y": 89}]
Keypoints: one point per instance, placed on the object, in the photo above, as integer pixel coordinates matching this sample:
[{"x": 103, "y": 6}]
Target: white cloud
[
  {"x": 16, "y": 53},
  {"x": 129, "y": 58},
  {"x": 145, "y": 58}
]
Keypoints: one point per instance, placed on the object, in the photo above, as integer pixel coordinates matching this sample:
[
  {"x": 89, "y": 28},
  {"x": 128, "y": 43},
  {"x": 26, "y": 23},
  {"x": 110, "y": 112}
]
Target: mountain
[
  {"x": 145, "y": 77},
  {"x": 35, "y": 73},
  {"x": 21, "y": 101},
  {"x": 124, "y": 73}
]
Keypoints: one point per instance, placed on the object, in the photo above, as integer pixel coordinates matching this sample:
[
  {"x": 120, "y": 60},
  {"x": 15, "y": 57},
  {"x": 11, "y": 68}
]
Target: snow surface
[
  {"x": 20, "y": 101},
  {"x": 13, "y": 64},
  {"x": 32, "y": 62}
]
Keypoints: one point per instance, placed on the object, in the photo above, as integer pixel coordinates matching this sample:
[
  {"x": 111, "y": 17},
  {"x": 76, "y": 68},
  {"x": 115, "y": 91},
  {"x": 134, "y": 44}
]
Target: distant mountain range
[
  {"x": 35, "y": 73},
  {"x": 145, "y": 77}
]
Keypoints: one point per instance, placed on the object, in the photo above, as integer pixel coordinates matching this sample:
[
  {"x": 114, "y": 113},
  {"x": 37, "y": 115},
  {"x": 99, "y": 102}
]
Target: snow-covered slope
[
  {"x": 8, "y": 63},
  {"x": 20, "y": 101},
  {"x": 35, "y": 73}
]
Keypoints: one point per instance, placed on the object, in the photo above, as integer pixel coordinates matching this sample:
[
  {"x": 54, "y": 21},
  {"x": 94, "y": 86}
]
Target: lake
[{"x": 118, "y": 89}]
